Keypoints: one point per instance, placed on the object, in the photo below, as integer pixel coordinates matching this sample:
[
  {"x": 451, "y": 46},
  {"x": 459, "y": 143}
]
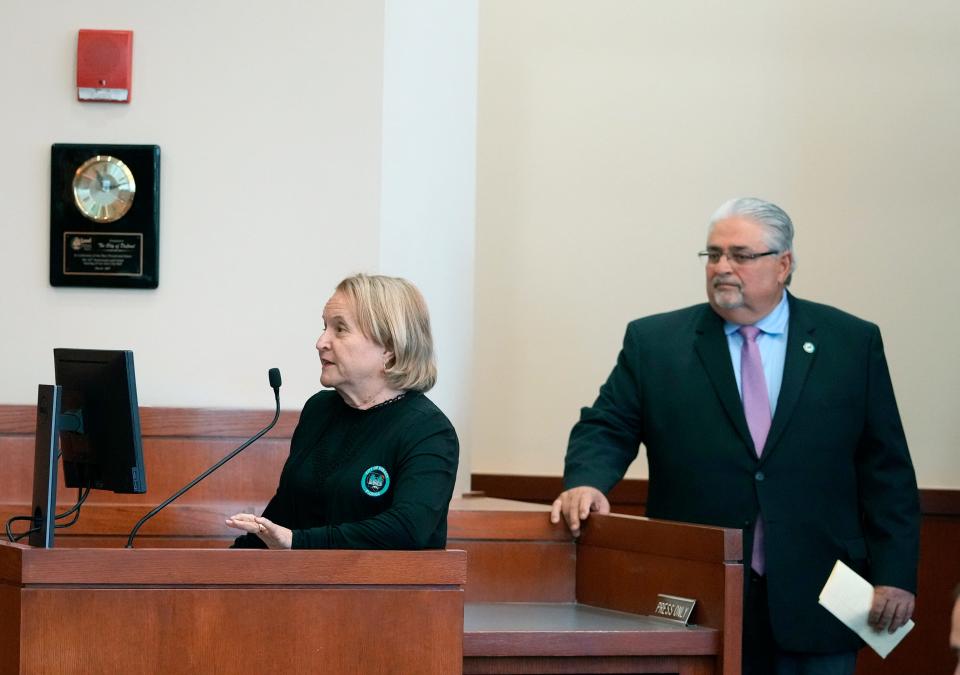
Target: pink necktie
[{"x": 756, "y": 407}]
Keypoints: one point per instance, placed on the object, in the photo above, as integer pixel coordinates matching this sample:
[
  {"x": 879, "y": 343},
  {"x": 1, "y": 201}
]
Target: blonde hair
[{"x": 392, "y": 312}]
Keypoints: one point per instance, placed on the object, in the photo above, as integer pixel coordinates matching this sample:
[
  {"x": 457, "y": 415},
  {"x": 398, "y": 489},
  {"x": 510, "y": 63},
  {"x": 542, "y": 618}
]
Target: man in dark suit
[{"x": 769, "y": 413}]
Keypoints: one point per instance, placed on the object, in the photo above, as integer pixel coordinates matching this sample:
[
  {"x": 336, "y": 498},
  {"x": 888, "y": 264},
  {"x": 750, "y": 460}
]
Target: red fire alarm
[{"x": 104, "y": 65}]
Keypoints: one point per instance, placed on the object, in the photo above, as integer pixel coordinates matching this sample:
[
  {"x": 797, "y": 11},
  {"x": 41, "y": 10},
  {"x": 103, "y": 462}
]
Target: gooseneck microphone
[{"x": 274, "y": 375}]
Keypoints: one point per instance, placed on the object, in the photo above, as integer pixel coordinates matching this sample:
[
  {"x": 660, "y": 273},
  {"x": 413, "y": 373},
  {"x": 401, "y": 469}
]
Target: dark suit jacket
[{"x": 834, "y": 481}]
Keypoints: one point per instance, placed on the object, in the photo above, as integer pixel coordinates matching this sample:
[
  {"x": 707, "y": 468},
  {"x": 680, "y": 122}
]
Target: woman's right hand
[{"x": 273, "y": 535}]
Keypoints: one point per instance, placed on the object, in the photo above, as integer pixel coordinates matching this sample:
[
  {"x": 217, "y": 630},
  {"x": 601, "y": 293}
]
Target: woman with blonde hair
[{"x": 372, "y": 461}]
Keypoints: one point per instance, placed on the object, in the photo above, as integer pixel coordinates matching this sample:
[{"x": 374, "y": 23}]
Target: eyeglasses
[{"x": 712, "y": 256}]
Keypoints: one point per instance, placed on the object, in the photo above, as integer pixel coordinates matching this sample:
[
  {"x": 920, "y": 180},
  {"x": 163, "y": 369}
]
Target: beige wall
[
  {"x": 608, "y": 131},
  {"x": 269, "y": 124},
  {"x": 300, "y": 142}
]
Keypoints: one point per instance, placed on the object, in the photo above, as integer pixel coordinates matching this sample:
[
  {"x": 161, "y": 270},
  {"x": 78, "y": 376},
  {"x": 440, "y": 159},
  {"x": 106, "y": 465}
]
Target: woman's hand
[{"x": 273, "y": 535}]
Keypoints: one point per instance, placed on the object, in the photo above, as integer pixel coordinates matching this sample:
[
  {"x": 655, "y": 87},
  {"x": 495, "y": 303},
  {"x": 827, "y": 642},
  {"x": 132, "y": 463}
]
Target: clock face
[{"x": 103, "y": 188}]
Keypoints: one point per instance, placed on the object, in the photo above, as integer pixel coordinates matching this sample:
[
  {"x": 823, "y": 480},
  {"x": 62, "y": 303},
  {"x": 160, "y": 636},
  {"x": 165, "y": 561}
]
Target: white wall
[
  {"x": 429, "y": 181},
  {"x": 269, "y": 124},
  {"x": 609, "y": 131},
  {"x": 282, "y": 130},
  {"x": 300, "y": 143}
]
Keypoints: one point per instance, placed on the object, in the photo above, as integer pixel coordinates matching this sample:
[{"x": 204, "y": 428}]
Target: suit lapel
[
  {"x": 714, "y": 354},
  {"x": 801, "y": 352}
]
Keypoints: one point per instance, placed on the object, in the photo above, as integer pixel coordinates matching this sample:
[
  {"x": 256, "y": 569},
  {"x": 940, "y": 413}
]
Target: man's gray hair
[{"x": 775, "y": 221}]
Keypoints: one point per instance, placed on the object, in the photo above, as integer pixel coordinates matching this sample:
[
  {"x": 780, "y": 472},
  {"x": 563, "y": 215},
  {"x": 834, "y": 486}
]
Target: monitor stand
[
  {"x": 51, "y": 420},
  {"x": 45, "y": 460}
]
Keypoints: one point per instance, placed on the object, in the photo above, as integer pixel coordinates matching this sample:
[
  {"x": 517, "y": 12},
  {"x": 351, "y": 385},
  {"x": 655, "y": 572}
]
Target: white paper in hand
[{"x": 848, "y": 596}]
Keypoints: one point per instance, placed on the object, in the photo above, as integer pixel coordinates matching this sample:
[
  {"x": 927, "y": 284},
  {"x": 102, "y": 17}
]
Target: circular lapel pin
[
  {"x": 809, "y": 348},
  {"x": 375, "y": 481}
]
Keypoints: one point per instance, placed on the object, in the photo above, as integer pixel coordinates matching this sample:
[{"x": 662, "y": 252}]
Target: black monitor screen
[{"x": 107, "y": 453}]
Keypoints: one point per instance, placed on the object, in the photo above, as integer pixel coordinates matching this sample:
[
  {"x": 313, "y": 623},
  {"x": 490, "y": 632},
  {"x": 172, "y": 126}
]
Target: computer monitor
[{"x": 91, "y": 421}]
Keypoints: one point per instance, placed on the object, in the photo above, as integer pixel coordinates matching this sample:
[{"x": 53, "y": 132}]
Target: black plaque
[{"x": 86, "y": 251}]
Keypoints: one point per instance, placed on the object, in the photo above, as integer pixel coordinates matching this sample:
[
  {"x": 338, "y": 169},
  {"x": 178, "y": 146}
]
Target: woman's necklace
[{"x": 388, "y": 401}]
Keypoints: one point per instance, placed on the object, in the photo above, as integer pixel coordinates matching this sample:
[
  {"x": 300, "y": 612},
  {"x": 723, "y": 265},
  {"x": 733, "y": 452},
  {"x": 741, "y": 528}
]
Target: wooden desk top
[
  {"x": 22, "y": 565},
  {"x": 493, "y": 504},
  {"x": 557, "y": 629}
]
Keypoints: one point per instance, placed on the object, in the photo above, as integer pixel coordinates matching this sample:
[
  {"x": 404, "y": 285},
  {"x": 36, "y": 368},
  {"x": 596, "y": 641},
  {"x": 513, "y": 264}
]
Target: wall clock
[
  {"x": 104, "y": 188},
  {"x": 104, "y": 215}
]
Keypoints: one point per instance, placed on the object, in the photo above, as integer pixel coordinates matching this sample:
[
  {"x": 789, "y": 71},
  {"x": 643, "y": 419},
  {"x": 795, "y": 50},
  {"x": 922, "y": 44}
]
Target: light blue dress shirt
[{"x": 772, "y": 342}]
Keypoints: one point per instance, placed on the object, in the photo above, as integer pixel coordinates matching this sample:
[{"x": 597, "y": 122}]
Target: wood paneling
[
  {"x": 9, "y": 624},
  {"x": 544, "y": 489},
  {"x": 514, "y": 526},
  {"x": 621, "y": 566},
  {"x": 518, "y": 571},
  {"x": 924, "y": 650},
  {"x": 18, "y": 419},
  {"x": 186, "y": 422},
  {"x": 515, "y": 553},
  {"x": 174, "y": 611},
  {"x": 632, "y": 492},
  {"x": 940, "y": 502},
  {"x": 555, "y": 629},
  {"x": 732, "y": 638},
  {"x": 251, "y": 475},
  {"x": 68, "y": 566},
  {"x": 624, "y": 562},
  {"x": 625, "y": 584},
  {"x": 927, "y": 649},
  {"x": 682, "y": 540},
  {"x": 241, "y": 631},
  {"x": 178, "y": 445}
]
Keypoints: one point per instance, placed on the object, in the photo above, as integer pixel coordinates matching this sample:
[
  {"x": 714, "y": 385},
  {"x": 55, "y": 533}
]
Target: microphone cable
[{"x": 274, "y": 375}]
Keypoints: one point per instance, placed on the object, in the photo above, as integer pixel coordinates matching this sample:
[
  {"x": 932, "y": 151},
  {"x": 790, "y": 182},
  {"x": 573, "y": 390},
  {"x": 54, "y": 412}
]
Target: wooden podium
[
  {"x": 538, "y": 602},
  {"x": 101, "y": 610}
]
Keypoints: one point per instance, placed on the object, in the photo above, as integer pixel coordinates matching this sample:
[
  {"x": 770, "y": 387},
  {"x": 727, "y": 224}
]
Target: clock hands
[
  {"x": 103, "y": 189},
  {"x": 105, "y": 180}
]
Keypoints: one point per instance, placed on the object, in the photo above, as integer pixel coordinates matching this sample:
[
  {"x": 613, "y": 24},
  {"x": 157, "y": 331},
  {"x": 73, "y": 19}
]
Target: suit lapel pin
[{"x": 809, "y": 348}]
